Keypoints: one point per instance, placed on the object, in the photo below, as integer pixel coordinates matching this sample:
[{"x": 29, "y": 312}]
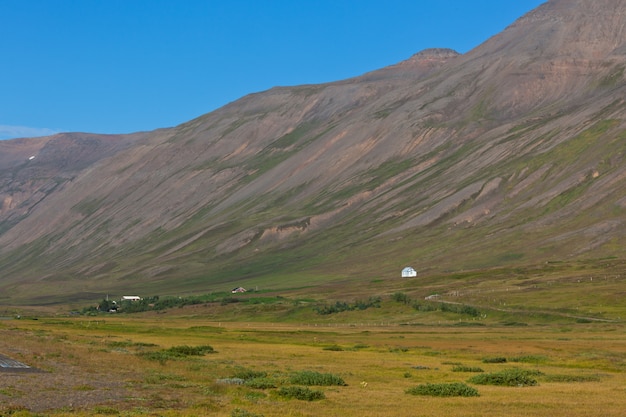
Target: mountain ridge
[{"x": 510, "y": 153}]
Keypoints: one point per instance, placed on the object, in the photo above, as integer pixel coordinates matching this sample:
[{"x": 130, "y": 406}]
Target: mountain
[{"x": 511, "y": 154}]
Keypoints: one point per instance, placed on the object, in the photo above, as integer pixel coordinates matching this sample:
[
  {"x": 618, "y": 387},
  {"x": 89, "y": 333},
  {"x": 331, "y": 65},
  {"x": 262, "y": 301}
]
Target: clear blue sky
[{"x": 120, "y": 66}]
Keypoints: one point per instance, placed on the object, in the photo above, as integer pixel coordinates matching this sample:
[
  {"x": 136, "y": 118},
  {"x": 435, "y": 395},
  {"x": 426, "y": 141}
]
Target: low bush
[
  {"x": 184, "y": 350},
  {"x": 106, "y": 410},
  {"x": 301, "y": 393},
  {"x": 461, "y": 368},
  {"x": 400, "y": 297},
  {"x": 176, "y": 352},
  {"x": 529, "y": 359},
  {"x": 424, "y": 307},
  {"x": 255, "y": 396},
  {"x": 248, "y": 374},
  {"x": 459, "y": 309},
  {"x": 341, "y": 306},
  {"x": 571, "y": 378},
  {"x": 507, "y": 378},
  {"x": 157, "y": 356},
  {"x": 399, "y": 349},
  {"x": 446, "y": 308},
  {"x": 127, "y": 343},
  {"x": 496, "y": 359},
  {"x": 515, "y": 323},
  {"x": 260, "y": 383},
  {"x": 455, "y": 389},
  {"x": 310, "y": 378},
  {"x": 229, "y": 300},
  {"x": 334, "y": 348}
]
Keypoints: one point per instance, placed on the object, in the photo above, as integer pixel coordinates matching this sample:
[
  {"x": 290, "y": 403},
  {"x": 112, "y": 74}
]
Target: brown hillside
[{"x": 513, "y": 152}]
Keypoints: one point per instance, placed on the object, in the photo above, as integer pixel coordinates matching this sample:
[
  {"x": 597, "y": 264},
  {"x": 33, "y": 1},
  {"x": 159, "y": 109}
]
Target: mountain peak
[
  {"x": 434, "y": 53},
  {"x": 573, "y": 28},
  {"x": 417, "y": 66}
]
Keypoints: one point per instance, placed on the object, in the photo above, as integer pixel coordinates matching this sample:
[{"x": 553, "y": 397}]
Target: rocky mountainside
[{"x": 512, "y": 153}]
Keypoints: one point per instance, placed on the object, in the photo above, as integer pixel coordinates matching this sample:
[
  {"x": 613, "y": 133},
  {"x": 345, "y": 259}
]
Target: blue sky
[{"x": 121, "y": 66}]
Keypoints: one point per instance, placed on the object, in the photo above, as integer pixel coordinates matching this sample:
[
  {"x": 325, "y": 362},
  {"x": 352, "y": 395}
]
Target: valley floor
[{"x": 188, "y": 366}]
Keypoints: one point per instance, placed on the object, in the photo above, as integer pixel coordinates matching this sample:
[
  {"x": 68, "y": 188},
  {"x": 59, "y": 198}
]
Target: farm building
[
  {"x": 238, "y": 290},
  {"x": 409, "y": 272},
  {"x": 131, "y": 298}
]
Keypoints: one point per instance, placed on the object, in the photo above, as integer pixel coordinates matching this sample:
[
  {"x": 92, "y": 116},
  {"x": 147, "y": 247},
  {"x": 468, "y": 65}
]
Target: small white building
[
  {"x": 131, "y": 298},
  {"x": 238, "y": 290},
  {"x": 409, "y": 272}
]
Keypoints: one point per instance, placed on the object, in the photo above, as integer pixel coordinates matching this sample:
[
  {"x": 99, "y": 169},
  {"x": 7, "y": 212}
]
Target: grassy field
[
  {"x": 248, "y": 360},
  {"x": 527, "y": 341}
]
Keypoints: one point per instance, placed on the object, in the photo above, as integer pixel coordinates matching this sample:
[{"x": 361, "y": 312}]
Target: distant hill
[{"x": 511, "y": 154}]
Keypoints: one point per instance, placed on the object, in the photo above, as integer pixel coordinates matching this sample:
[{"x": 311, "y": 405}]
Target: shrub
[
  {"x": 455, "y": 389},
  {"x": 158, "y": 377},
  {"x": 424, "y": 307},
  {"x": 335, "y": 348},
  {"x": 184, "y": 350},
  {"x": 507, "y": 378},
  {"x": 229, "y": 300},
  {"x": 176, "y": 352},
  {"x": 400, "y": 297},
  {"x": 301, "y": 393},
  {"x": 316, "y": 378},
  {"x": 158, "y": 356},
  {"x": 247, "y": 374},
  {"x": 461, "y": 368},
  {"x": 497, "y": 359},
  {"x": 529, "y": 359},
  {"x": 571, "y": 378},
  {"x": 260, "y": 383},
  {"x": 514, "y": 323},
  {"x": 341, "y": 306},
  {"x": 254, "y": 396},
  {"x": 399, "y": 349},
  {"x": 120, "y": 344},
  {"x": 459, "y": 309}
]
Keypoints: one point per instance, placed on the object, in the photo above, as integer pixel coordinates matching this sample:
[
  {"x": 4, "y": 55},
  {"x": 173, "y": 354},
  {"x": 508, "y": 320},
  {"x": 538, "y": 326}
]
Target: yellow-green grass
[{"x": 582, "y": 369}]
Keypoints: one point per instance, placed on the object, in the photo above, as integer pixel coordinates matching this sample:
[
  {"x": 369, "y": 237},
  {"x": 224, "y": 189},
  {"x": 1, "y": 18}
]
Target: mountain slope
[{"x": 512, "y": 153}]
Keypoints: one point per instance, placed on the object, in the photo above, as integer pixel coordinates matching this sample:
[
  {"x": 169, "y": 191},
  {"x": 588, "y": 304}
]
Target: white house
[
  {"x": 409, "y": 272},
  {"x": 238, "y": 290},
  {"x": 130, "y": 298}
]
